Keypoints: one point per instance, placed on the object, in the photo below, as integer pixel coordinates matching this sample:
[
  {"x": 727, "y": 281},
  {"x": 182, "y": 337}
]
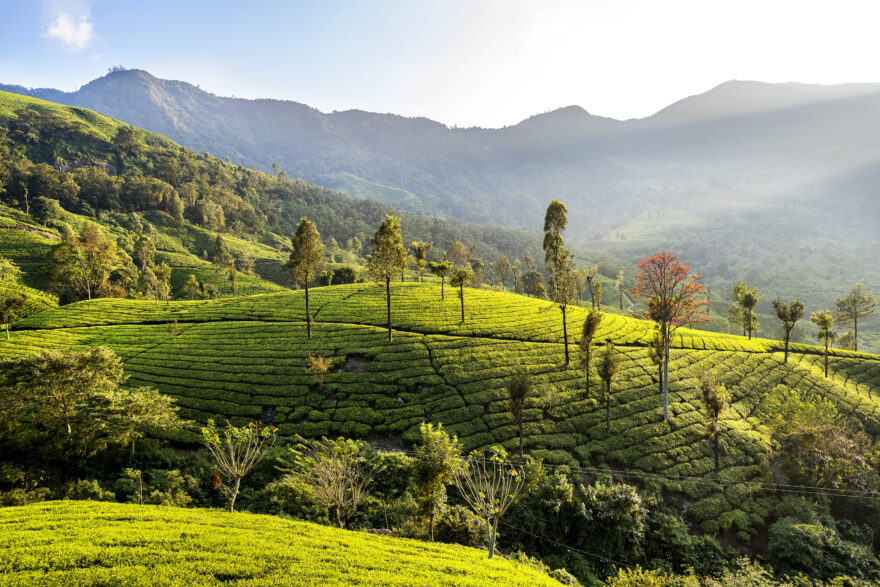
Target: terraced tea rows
[
  {"x": 122, "y": 544},
  {"x": 245, "y": 359}
]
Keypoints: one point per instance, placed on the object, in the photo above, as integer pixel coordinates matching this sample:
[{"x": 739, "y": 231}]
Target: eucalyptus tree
[
  {"x": 306, "y": 258},
  {"x": 858, "y": 303},
  {"x": 825, "y": 321},
  {"x": 788, "y": 315},
  {"x": 559, "y": 262},
  {"x": 388, "y": 258},
  {"x": 441, "y": 269},
  {"x": 420, "y": 251},
  {"x": 591, "y": 326}
]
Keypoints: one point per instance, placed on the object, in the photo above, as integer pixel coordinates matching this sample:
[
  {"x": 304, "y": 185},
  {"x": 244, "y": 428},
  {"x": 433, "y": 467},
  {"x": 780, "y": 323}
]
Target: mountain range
[{"x": 773, "y": 183}]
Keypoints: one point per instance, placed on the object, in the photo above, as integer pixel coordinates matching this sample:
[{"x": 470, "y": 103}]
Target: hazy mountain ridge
[{"x": 693, "y": 177}]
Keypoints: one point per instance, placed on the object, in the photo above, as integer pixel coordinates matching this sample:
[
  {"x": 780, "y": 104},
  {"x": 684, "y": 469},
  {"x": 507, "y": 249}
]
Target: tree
[
  {"x": 333, "y": 250},
  {"x": 306, "y": 258},
  {"x": 518, "y": 389},
  {"x": 591, "y": 325},
  {"x": 743, "y": 310},
  {"x": 672, "y": 296},
  {"x": 232, "y": 276},
  {"x": 540, "y": 291},
  {"x": 441, "y": 269},
  {"x": 11, "y": 307},
  {"x": 337, "y": 471},
  {"x": 502, "y": 266},
  {"x": 657, "y": 354},
  {"x": 825, "y": 321},
  {"x": 437, "y": 458},
  {"x": 489, "y": 485},
  {"x": 220, "y": 255},
  {"x": 619, "y": 283},
  {"x": 420, "y": 254},
  {"x": 84, "y": 262},
  {"x": 317, "y": 367},
  {"x": 516, "y": 271},
  {"x": 589, "y": 274},
  {"x": 388, "y": 258},
  {"x": 531, "y": 281},
  {"x": 858, "y": 303},
  {"x": 144, "y": 251},
  {"x": 597, "y": 294},
  {"x": 191, "y": 287},
  {"x": 147, "y": 282},
  {"x": 559, "y": 262},
  {"x": 76, "y": 402},
  {"x": 236, "y": 451},
  {"x": 460, "y": 276},
  {"x": 163, "y": 280},
  {"x": 788, "y": 315},
  {"x": 715, "y": 403},
  {"x": 529, "y": 261},
  {"x": 608, "y": 367},
  {"x": 456, "y": 253}
]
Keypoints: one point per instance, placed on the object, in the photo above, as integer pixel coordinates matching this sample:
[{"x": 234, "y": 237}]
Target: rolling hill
[
  {"x": 245, "y": 358},
  {"x": 771, "y": 183},
  {"x": 94, "y": 543}
]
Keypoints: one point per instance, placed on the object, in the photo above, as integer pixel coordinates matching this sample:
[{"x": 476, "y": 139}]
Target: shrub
[
  {"x": 459, "y": 525},
  {"x": 87, "y": 489}
]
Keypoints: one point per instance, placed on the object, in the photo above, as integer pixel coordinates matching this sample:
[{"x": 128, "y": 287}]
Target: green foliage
[
  {"x": 74, "y": 402},
  {"x": 818, "y": 551},
  {"x": 437, "y": 459}
]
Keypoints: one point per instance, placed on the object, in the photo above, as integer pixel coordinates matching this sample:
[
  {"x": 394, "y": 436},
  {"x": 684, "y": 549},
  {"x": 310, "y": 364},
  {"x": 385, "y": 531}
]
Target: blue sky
[{"x": 465, "y": 62}]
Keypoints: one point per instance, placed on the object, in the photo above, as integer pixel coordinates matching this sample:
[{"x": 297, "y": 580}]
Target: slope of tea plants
[
  {"x": 92, "y": 543},
  {"x": 245, "y": 359}
]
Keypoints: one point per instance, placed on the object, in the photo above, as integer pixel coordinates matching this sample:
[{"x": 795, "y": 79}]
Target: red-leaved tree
[{"x": 673, "y": 297}]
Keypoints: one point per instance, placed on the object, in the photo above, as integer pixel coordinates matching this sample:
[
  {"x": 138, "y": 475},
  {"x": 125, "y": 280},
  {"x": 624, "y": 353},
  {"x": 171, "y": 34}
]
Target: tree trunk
[
  {"x": 620, "y": 291},
  {"x": 520, "y": 437},
  {"x": 592, "y": 297},
  {"x": 461, "y": 295},
  {"x": 666, "y": 374},
  {"x": 564, "y": 333},
  {"x": 750, "y": 324},
  {"x": 608, "y": 414},
  {"x": 308, "y": 314},
  {"x": 442, "y": 287},
  {"x": 432, "y": 526},
  {"x": 589, "y": 368},
  {"x": 826, "y": 355},
  {"x": 787, "y": 335},
  {"x": 715, "y": 447},
  {"x": 234, "y": 494},
  {"x": 856, "y": 333},
  {"x": 388, "y": 303},
  {"x": 491, "y": 538},
  {"x": 7, "y": 332}
]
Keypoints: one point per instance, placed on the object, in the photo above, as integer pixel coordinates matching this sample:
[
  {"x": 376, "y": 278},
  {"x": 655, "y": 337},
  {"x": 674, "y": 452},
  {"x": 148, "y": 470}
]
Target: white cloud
[{"x": 74, "y": 33}]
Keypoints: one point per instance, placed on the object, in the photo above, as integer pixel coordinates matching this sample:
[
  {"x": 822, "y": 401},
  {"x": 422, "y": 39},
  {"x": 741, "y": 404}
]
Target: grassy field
[
  {"x": 91, "y": 543},
  {"x": 245, "y": 358}
]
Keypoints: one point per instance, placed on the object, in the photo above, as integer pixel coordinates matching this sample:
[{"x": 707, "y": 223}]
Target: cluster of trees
[{"x": 859, "y": 303}]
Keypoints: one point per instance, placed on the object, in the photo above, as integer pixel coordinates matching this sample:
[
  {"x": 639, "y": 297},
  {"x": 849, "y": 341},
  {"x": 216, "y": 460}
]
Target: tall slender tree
[
  {"x": 619, "y": 283},
  {"x": 591, "y": 325},
  {"x": 461, "y": 276},
  {"x": 559, "y": 262},
  {"x": 788, "y": 315},
  {"x": 306, "y": 258},
  {"x": 388, "y": 258},
  {"x": 519, "y": 387},
  {"x": 715, "y": 403},
  {"x": 825, "y": 321},
  {"x": 420, "y": 251},
  {"x": 673, "y": 297},
  {"x": 11, "y": 307},
  {"x": 589, "y": 274},
  {"x": 163, "y": 280},
  {"x": 437, "y": 458},
  {"x": 441, "y": 269},
  {"x": 858, "y": 303},
  {"x": 502, "y": 266},
  {"x": 608, "y": 367},
  {"x": 657, "y": 354}
]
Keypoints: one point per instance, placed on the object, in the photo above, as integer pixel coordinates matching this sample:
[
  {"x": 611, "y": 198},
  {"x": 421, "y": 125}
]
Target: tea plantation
[
  {"x": 244, "y": 359},
  {"x": 91, "y": 543}
]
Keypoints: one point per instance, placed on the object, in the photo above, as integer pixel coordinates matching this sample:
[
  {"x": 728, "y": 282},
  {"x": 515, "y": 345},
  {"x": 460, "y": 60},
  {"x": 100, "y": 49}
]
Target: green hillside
[
  {"x": 94, "y": 543},
  {"x": 245, "y": 358}
]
